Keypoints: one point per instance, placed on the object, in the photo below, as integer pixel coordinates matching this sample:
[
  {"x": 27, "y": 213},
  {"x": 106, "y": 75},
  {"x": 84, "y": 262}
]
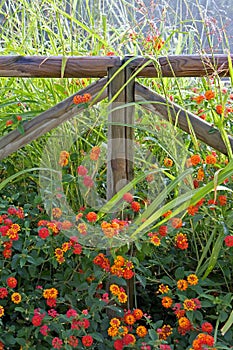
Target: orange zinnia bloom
[
  {"x": 210, "y": 159},
  {"x": 198, "y": 99}
]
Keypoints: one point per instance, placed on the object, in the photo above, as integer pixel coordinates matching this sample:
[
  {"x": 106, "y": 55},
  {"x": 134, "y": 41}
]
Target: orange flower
[
  {"x": 195, "y": 159},
  {"x": 184, "y": 323},
  {"x": 219, "y": 109},
  {"x": 141, "y": 331},
  {"x": 168, "y": 162},
  {"x": 189, "y": 304},
  {"x": 182, "y": 284},
  {"x": 119, "y": 261},
  {"x": 66, "y": 225},
  {"x": 167, "y": 302},
  {"x": 200, "y": 174},
  {"x": 137, "y": 314},
  {"x": 1, "y": 311},
  {"x": 209, "y": 94},
  {"x": 168, "y": 213},
  {"x": 56, "y": 212},
  {"x": 91, "y": 216},
  {"x": 198, "y": 99},
  {"x": 95, "y": 152},
  {"x": 210, "y": 159},
  {"x": 164, "y": 332},
  {"x": 192, "y": 279},
  {"x": 181, "y": 241},
  {"x": 50, "y": 293},
  {"x": 176, "y": 222},
  {"x": 192, "y": 210},
  {"x": 123, "y": 330},
  {"x": 129, "y": 319},
  {"x": 222, "y": 199},
  {"x": 135, "y": 206},
  {"x": 16, "y": 298},
  {"x": 112, "y": 331},
  {"x": 63, "y": 160},
  {"x": 77, "y": 99},
  {"x": 163, "y": 288}
]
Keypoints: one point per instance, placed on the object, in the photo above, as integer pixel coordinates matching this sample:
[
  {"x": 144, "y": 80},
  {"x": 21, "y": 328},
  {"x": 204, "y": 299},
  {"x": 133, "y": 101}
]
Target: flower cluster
[
  {"x": 78, "y": 99},
  {"x": 64, "y": 158},
  {"x": 126, "y": 329},
  {"x": 121, "y": 267},
  {"x": 72, "y": 245}
]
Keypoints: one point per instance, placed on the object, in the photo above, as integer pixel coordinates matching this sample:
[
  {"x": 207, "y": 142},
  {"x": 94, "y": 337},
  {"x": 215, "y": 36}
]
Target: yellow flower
[
  {"x": 50, "y": 293},
  {"x": 114, "y": 322},
  {"x": 163, "y": 288},
  {"x": 16, "y": 298},
  {"x": 1, "y": 311},
  {"x": 122, "y": 297},
  {"x": 192, "y": 279},
  {"x": 112, "y": 331},
  {"x": 114, "y": 289}
]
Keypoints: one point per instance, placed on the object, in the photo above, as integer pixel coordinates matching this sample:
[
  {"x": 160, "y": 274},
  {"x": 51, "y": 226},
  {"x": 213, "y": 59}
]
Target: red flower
[
  {"x": 219, "y": 109},
  {"x": 229, "y": 241},
  {"x": 43, "y": 232},
  {"x": 44, "y": 330},
  {"x": 207, "y": 327},
  {"x": 222, "y": 200},
  {"x": 91, "y": 216},
  {"x": 57, "y": 343},
  {"x": 87, "y": 340},
  {"x": 71, "y": 313},
  {"x": 135, "y": 206},
  {"x": 3, "y": 293},
  {"x": 51, "y": 302},
  {"x": 73, "y": 341},
  {"x": 162, "y": 230},
  {"x": 127, "y": 274},
  {"x": 37, "y": 320},
  {"x": 128, "y": 197},
  {"x": 11, "y": 282},
  {"x": 118, "y": 344},
  {"x": 77, "y": 248}
]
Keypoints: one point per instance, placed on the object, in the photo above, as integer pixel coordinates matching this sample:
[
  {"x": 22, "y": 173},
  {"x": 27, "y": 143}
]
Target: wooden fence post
[{"x": 120, "y": 136}]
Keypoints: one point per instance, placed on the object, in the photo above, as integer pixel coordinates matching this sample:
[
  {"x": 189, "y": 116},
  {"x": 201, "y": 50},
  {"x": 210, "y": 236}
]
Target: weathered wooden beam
[
  {"x": 97, "y": 66},
  {"x": 57, "y": 66},
  {"x": 183, "y": 119},
  {"x": 49, "y": 120},
  {"x": 120, "y": 136},
  {"x": 182, "y": 66}
]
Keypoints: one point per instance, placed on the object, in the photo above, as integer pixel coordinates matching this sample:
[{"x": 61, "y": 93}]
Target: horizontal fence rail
[{"x": 98, "y": 66}]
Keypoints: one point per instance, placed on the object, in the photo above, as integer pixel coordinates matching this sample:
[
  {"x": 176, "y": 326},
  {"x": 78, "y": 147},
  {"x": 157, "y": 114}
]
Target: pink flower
[
  {"x": 82, "y": 170},
  {"x": 44, "y": 330},
  {"x": 71, "y": 313},
  {"x": 87, "y": 181},
  {"x": 57, "y": 343},
  {"x": 53, "y": 313},
  {"x": 105, "y": 297},
  {"x": 85, "y": 312}
]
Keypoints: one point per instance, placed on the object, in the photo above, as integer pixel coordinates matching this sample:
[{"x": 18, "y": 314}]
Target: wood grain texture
[
  {"x": 97, "y": 66},
  {"x": 182, "y": 66},
  {"x": 165, "y": 109},
  {"x": 120, "y": 136},
  {"x": 49, "y": 120},
  {"x": 52, "y": 66}
]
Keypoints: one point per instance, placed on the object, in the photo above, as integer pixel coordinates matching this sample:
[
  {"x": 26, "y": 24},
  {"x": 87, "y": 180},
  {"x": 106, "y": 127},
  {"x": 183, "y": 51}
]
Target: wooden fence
[{"x": 117, "y": 81}]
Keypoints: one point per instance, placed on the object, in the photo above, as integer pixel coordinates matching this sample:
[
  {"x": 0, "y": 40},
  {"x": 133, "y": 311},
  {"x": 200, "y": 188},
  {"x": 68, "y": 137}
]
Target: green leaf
[
  {"x": 214, "y": 256},
  {"x": 228, "y": 324}
]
